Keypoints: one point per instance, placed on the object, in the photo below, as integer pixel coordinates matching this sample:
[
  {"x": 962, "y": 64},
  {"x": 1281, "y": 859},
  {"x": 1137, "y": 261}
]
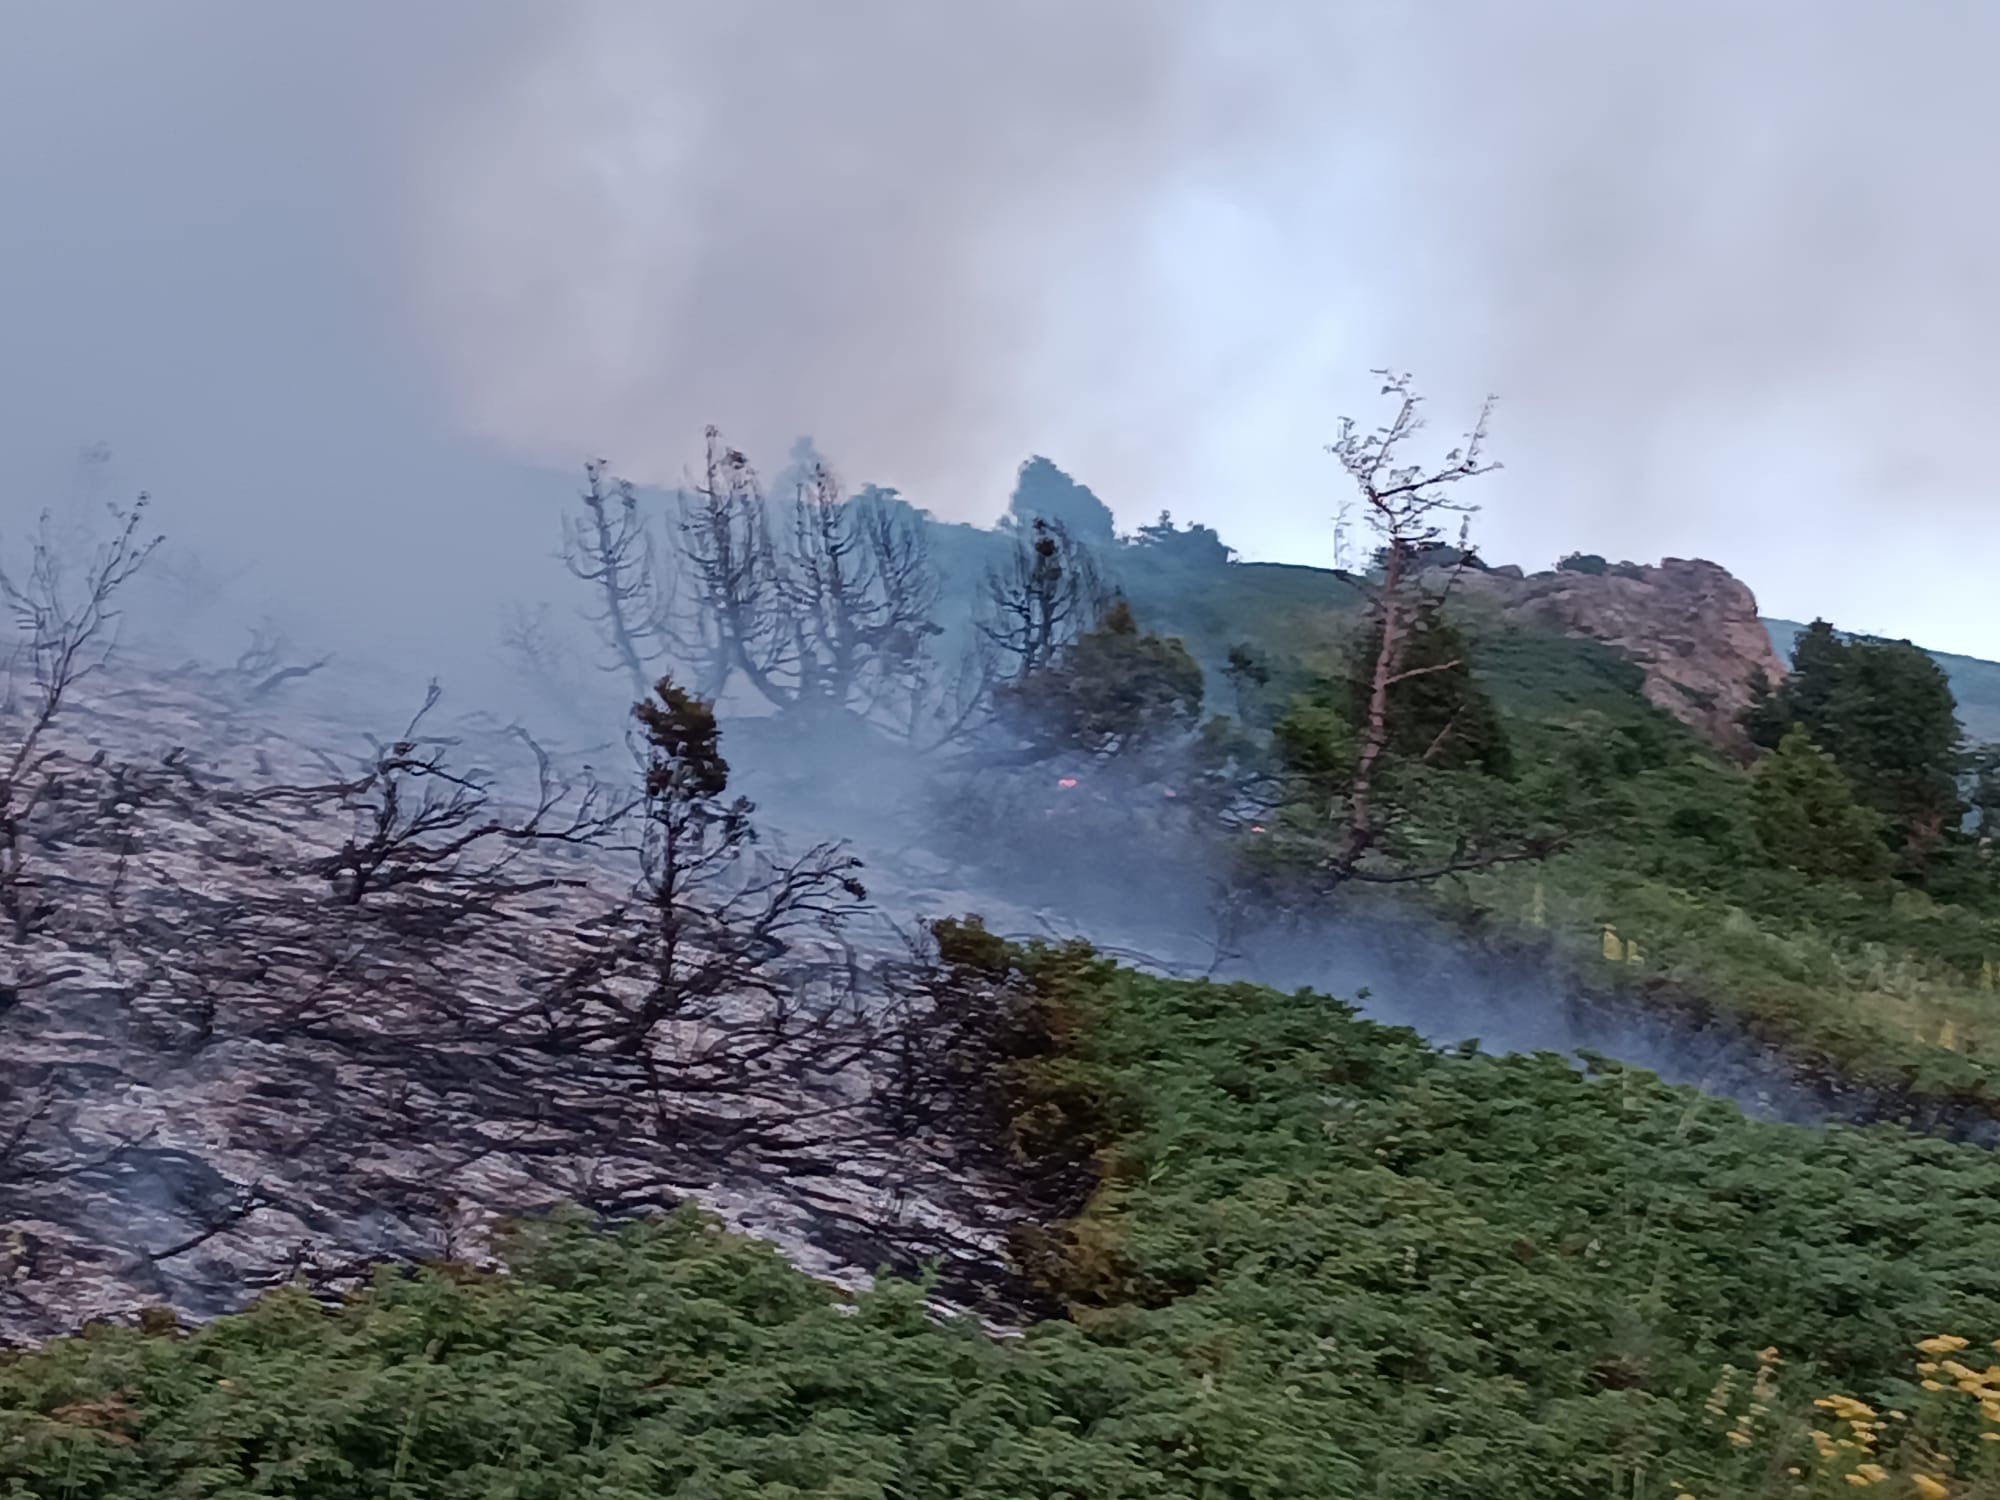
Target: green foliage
[
  {"x": 1439, "y": 713},
  {"x": 1541, "y": 678},
  {"x": 1114, "y": 690},
  {"x": 1276, "y": 610},
  {"x": 1519, "y": 1281},
  {"x": 1663, "y": 841},
  {"x": 1899, "y": 993},
  {"x": 684, "y": 744},
  {"x": 1974, "y": 683},
  {"x": 1884, "y": 710},
  {"x": 1807, "y": 818},
  {"x": 1583, "y": 562},
  {"x": 1316, "y": 743},
  {"x": 964, "y": 943},
  {"x": 1322, "y": 1260}
]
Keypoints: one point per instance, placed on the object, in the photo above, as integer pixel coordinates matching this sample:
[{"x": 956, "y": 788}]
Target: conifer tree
[{"x": 1807, "y": 816}]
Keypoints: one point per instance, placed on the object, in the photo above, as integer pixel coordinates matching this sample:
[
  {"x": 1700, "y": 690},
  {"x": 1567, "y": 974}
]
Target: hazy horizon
[{"x": 355, "y": 292}]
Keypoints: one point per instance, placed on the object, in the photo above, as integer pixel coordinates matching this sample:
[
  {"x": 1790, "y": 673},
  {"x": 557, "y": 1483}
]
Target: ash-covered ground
[{"x": 217, "y": 1074}]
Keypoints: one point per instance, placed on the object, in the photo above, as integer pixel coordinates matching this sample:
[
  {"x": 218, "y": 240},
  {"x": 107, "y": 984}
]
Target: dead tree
[
  {"x": 262, "y": 666},
  {"x": 421, "y": 968},
  {"x": 861, "y": 599},
  {"x": 66, "y": 630},
  {"x": 610, "y": 549},
  {"x": 717, "y": 915},
  {"x": 430, "y": 845},
  {"x": 737, "y": 622},
  {"x": 1403, "y": 504},
  {"x": 829, "y": 612},
  {"x": 1046, "y": 595}
]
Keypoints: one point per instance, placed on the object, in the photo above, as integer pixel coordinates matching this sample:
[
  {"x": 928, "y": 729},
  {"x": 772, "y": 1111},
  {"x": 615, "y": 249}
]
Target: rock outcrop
[{"x": 1689, "y": 623}]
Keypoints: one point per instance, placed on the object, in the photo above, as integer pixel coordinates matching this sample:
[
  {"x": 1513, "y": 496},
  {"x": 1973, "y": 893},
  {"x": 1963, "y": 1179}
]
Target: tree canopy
[
  {"x": 1884, "y": 711},
  {"x": 1807, "y": 817}
]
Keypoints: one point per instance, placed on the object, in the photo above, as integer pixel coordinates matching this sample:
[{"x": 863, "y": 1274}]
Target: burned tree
[
  {"x": 610, "y": 549},
  {"x": 737, "y": 622},
  {"x": 65, "y": 632},
  {"x": 836, "y": 621},
  {"x": 546, "y": 660},
  {"x": 831, "y": 614},
  {"x": 1044, "y": 596},
  {"x": 1413, "y": 705},
  {"x": 714, "y": 916},
  {"x": 861, "y": 599},
  {"x": 264, "y": 666},
  {"x": 446, "y": 966},
  {"x": 428, "y": 844}
]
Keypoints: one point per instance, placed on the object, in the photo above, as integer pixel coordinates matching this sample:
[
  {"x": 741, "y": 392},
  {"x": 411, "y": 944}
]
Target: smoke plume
[{"x": 356, "y": 286}]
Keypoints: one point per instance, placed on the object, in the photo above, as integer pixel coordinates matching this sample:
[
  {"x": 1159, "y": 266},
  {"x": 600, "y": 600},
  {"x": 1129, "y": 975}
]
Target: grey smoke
[{"x": 355, "y": 287}]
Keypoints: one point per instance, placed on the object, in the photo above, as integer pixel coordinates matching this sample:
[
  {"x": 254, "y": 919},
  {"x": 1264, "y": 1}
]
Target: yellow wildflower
[
  {"x": 1944, "y": 1343},
  {"x": 1929, "y": 1488},
  {"x": 1739, "y": 1438}
]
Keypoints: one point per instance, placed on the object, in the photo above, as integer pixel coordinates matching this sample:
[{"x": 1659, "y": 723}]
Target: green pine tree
[{"x": 1808, "y": 818}]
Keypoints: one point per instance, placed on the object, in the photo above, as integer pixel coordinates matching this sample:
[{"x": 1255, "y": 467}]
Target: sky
[{"x": 353, "y": 290}]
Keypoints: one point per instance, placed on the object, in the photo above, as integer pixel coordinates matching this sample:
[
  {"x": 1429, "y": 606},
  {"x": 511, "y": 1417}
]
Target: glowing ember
[{"x": 1067, "y": 782}]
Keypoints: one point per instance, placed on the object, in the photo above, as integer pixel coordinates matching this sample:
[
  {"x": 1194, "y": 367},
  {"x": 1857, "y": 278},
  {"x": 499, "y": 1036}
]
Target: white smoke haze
[
  {"x": 355, "y": 289},
  {"x": 332, "y": 280}
]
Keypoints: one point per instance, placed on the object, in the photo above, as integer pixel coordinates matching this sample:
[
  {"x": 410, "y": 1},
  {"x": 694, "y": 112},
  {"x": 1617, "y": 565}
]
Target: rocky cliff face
[{"x": 1691, "y": 624}]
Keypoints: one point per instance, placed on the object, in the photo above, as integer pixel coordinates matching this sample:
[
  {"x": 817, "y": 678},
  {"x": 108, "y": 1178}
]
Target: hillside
[
  {"x": 1184, "y": 1163},
  {"x": 1321, "y": 1260},
  {"x": 1890, "y": 989}
]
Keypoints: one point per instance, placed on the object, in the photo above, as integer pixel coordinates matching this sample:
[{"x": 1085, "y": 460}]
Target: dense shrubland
[{"x": 1314, "y": 1257}]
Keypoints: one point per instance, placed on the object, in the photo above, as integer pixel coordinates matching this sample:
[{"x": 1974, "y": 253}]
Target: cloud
[
  {"x": 877, "y": 222},
  {"x": 322, "y": 275}
]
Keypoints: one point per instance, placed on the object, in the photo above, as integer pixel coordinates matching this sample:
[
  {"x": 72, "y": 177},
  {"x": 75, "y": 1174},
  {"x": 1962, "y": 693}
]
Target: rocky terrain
[{"x": 1691, "y": 624}]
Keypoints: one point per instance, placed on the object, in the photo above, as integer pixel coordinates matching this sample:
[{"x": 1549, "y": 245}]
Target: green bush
[{"x": 1807, "y": 817}]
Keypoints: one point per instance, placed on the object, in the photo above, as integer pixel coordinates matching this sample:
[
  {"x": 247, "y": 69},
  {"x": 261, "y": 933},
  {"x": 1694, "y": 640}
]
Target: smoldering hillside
[
  {"x": 319, "y": 959},
  {"x": 1053, "y": 868}
]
